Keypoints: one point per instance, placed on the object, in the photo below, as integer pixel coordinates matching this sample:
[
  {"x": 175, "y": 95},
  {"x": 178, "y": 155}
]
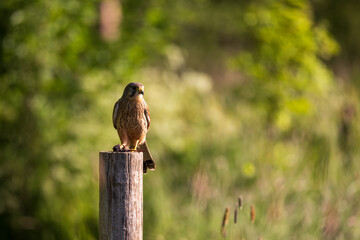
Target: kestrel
[{"x": 131, "y": 119}]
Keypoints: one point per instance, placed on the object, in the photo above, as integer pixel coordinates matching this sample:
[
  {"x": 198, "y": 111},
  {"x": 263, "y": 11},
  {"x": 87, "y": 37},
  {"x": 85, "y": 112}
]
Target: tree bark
[{"x": 121, "y": 196}]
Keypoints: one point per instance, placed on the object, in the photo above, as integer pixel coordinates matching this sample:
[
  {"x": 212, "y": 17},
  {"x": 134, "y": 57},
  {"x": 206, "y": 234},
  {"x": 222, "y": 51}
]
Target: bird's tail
[{"x": 148, "y": 160}]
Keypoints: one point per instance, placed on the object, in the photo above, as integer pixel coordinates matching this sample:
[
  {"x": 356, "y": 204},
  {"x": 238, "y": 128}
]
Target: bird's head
[{"x": 134, "y": 91}]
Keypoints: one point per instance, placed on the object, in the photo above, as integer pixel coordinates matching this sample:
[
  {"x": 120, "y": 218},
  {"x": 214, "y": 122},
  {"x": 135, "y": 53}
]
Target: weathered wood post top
[{"x": 121, "y": 195}]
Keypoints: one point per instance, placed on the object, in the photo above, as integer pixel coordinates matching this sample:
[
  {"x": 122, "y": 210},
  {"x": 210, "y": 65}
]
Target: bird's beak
[{"x": 141, "y": 91}]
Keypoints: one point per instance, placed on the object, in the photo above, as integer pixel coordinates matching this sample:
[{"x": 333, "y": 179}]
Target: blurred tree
[
  {"x": 343, "y": 22},
  {"x": 46, "y": 47}
]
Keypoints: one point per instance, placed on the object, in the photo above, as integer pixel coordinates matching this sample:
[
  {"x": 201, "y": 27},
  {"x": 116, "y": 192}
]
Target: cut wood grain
[{"x": 121, "y": 196}]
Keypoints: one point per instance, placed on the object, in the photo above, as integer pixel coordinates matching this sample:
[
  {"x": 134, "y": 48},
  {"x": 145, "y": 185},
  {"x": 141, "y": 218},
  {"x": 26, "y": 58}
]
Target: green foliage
[{"x": 241, "y": 100}]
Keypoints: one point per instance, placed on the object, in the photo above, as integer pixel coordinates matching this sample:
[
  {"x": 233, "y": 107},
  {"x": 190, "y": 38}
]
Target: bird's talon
[{"x": 117, "y": 148}]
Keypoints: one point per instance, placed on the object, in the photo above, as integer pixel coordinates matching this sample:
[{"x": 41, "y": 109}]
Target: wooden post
[{"x": 121, "y": 196}]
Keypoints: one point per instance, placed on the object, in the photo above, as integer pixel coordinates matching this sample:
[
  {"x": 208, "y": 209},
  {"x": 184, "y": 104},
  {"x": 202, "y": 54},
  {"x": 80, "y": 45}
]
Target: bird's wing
[
  {"x": 115, "y": 113},
  {"x": 147, "y": 115}
]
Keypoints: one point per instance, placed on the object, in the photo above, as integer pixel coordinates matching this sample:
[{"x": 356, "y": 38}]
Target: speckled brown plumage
[{"x": 131, "y": 119}]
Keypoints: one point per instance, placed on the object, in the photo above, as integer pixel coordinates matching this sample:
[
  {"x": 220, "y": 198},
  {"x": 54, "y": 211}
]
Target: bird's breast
[{"x": 133, "y": 119}]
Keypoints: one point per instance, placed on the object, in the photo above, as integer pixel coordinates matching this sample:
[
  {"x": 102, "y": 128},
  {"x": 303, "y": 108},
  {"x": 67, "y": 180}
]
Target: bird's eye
[{"x": 134, "y": 88}]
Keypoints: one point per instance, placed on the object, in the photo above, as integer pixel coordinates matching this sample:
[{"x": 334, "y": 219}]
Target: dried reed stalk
[
  {"x": 235, "y": 215},
  {"x": 252, "y": 213},
  {"x": 225, "y": 221},
  {"x": 240, "y": 201}
]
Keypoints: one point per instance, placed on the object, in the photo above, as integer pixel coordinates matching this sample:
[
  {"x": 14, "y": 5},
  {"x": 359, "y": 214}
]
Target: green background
[{"x": 253, "y": 98}]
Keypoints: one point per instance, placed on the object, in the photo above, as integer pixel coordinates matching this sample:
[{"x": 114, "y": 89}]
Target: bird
[{"x": 131, "y": 119}]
